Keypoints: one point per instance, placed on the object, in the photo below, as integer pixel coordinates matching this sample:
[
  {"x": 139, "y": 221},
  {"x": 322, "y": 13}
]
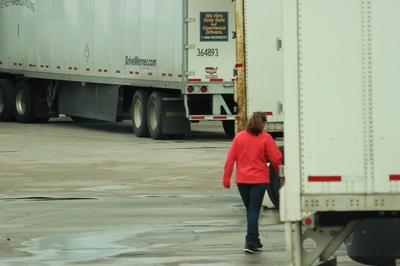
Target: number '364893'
[{"x": 208, "y": 52}]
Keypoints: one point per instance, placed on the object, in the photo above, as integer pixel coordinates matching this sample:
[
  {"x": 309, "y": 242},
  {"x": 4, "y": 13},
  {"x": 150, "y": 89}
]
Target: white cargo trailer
[
  {"x": 339, "y": 83},
  {"x": 341, "y": 63},
  {"x": 162, "y": 62},
  {"x": 263, "y": 34}
]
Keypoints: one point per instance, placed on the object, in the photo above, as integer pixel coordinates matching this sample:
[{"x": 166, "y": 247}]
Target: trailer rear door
[
  {"x": 341, "y": 105},
  {"x": 211, "y": 52},
  {"x": 264, "y": 58}
]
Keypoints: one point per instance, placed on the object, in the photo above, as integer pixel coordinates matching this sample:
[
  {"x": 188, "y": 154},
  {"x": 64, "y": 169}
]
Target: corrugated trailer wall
[{"x": 135, "y": 39}]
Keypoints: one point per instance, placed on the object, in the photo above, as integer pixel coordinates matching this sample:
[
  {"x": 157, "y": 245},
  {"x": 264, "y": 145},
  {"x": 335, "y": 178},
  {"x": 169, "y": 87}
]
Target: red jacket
[{"x": 251, "y": 154}]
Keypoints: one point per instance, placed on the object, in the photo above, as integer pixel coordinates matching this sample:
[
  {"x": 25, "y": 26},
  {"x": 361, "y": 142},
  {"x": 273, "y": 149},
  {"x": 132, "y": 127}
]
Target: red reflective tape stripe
[
  {"x": 269, "y": 113},
  {"x": 194, "y": 80},
  {"x": 394, "y": 177},
  {"x": 324, "y": 179},
  {"x": 216, "y": 80},
  {"x": 219, "y": 117},
  {"x": 198, "y": 117},
  {"x": 239, "y": 66}
]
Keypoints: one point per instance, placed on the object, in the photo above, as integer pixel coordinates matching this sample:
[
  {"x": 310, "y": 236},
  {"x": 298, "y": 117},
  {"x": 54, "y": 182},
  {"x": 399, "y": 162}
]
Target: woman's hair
[{"x": 255, "y": 125}]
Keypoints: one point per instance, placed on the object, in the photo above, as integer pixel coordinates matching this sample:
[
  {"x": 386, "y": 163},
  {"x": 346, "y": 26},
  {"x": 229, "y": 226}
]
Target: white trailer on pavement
[
  {"x": 263, "y": 34},
  {"x": 340, "y": 60},
  {"x": 164, "y": 63},
  {"x": 334, "y": 66}
]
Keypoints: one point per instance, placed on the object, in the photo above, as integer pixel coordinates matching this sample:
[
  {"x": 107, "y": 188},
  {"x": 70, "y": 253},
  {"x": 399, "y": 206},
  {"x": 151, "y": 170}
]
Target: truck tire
[
  {"x": 139, "y": 113},
  {"x": 154, "y": 115},
  {"x": 7, "y": 101},
  {"x": 375, "y": 242},
  {"x": 229, "y": 128},
  {"x": 274, "y": 184},
  {"x": 24, "y": 110}
]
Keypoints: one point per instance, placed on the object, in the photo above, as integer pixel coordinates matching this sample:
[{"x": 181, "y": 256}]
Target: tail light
[
  {"x": 190, "y": 89},
  {"x": 204, "y": 89}
]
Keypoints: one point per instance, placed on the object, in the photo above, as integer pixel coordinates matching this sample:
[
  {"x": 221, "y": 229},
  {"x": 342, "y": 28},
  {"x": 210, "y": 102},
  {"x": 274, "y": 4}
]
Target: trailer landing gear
[{"x": 302, "y": 246}]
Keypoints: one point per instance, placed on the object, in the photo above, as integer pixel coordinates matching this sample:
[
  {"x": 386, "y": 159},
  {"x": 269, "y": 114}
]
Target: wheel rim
[
  {"x": 137, "y": 113},
  {"x": 2, "y": 105},
  {"x": 21, "y": 102},
  {"x": 153, "y": 115}
]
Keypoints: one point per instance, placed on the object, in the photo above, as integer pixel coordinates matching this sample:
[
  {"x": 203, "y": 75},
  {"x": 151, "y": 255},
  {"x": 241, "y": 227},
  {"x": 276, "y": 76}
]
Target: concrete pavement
[{"x": 94, "y": 194}]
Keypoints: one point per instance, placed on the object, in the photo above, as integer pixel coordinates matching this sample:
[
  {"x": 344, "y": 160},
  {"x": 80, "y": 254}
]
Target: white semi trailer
[
  {"x": 263, "y": 34},
  {"x": 329, "y": 69},
  {"x": 163, "y": 63}
]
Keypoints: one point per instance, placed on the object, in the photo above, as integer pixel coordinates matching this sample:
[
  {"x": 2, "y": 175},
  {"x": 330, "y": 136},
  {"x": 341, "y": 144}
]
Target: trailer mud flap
[{"x": 174, "y": 121}]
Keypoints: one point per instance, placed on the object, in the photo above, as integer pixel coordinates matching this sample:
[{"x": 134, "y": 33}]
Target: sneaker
[
  {"x": 259, "y": 245},
  {"x": 251, "y": 249}
]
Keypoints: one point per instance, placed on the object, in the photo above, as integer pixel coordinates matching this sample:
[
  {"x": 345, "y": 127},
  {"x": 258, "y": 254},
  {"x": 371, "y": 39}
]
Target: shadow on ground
[{"x": 205, "y": 131}]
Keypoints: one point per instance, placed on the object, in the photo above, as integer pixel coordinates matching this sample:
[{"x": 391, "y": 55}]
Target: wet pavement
[{"x": 94, "y": 194}]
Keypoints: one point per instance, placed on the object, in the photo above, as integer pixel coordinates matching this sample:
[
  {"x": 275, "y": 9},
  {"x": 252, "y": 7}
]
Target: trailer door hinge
[
  {"x": 234, "y": 34},
  {"x": 189, "y": 73},
  {"x": 280, "y": 108},
  {"x": 235, "y": 72},
  {"x": 190, "y": 20}
]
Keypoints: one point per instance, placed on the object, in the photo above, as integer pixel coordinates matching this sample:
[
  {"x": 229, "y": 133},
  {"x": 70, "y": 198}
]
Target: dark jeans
[{"x": 252, "y": 196}]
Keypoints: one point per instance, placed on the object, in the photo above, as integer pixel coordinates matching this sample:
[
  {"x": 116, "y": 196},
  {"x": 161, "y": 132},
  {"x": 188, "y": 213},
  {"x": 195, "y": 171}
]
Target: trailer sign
[{"x": 214, "y": 26}]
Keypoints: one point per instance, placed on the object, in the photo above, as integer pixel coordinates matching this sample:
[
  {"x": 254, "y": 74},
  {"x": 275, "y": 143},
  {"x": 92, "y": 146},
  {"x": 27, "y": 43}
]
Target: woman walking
[{"x": 251, "y": 150}]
